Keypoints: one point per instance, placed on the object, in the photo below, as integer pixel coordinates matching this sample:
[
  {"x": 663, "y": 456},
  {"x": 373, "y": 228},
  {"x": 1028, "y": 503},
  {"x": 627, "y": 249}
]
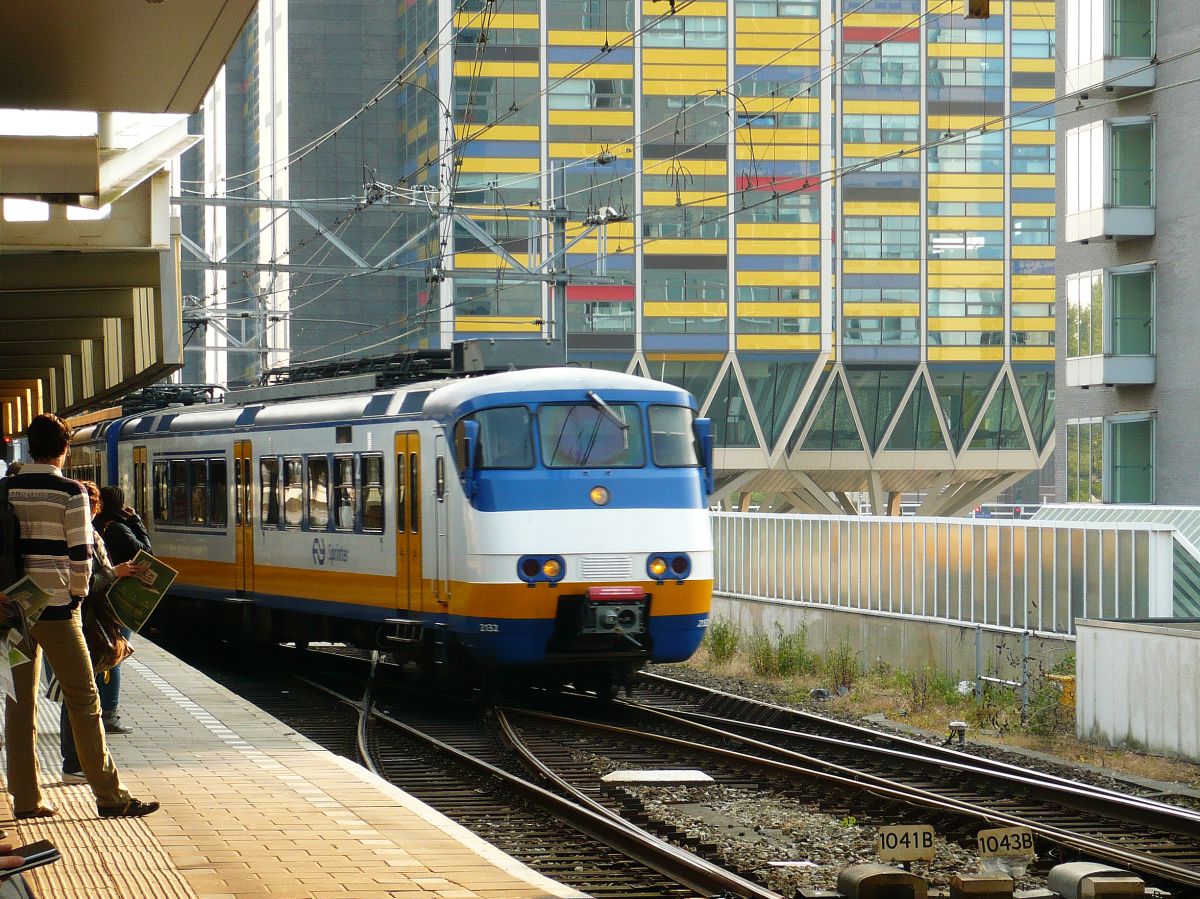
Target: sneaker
[
  {"x": 134, "y": 808},
  {"x": 113, "y": 725},
  {"x": 73, "y": 777}
]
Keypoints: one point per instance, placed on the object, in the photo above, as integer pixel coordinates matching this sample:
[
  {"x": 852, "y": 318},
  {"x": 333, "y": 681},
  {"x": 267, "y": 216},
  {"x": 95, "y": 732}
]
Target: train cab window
[
  {"x": 218, "y": 480},
  {"x": 672, "y": 441},
  {"x": 268, "y": 472},
  {"x": 318, "y": 492},
  {"x": 505, "y": 438},
  {"x": 179, "y": 492},
  {"x": 293, "y": 492},
  {"x": 162, "y": 493},
  {"x": 372, "y": 493},
  {"x": 343, "y": 493},
  {"x": 592, "y": 435},
  {"x": 198, "y": 485}
]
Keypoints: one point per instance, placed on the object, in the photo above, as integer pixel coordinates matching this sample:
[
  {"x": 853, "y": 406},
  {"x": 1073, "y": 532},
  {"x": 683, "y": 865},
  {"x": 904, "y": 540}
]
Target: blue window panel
[
  {"x": 881, "y": 92},
  {"x": 695, "y": 343},
  {"x": 577, "y": 262},
  {"x": 910, "y": 180},
  {"x": 913, "y": 281},
  {"x": 500, "y": 149},
  {"x": 1033, "y": 266},
  {"x": 1033, "y": 195},
  {"x": 748, "y": 263},
  {"x": 558, "y": 53}
]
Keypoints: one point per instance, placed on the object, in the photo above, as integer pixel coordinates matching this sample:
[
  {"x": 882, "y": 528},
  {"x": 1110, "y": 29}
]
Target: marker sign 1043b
[{"x": 1006, "y": 841}]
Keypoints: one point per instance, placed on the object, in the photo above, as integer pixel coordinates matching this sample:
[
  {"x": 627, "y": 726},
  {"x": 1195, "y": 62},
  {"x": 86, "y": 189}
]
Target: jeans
[{"x": 110, "y": 695}]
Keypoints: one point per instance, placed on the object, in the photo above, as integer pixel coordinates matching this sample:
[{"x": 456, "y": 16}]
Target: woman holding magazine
[{"x": 105, "y": 572}]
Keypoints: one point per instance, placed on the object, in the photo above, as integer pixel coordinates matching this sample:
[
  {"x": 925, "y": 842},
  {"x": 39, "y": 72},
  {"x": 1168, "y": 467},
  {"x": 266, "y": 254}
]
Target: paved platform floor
[{"x": 250, "y": 810}]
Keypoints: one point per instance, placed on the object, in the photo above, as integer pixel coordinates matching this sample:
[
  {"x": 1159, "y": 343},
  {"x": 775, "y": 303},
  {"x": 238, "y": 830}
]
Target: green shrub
[
  {"x": 792, "y": 653},
  {"x": 927, "y": 688},
  {"x": 722, "y": 640},
  {"x": 763, "y": 660},
  {"x": 840, "y": 665}
]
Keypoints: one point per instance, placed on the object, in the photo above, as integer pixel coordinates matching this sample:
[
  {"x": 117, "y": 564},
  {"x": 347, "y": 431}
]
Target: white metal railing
[{"x": 1019, "y": 575}]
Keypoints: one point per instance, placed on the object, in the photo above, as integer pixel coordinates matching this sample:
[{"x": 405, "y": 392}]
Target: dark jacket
[{"x": 123, "y": 537}]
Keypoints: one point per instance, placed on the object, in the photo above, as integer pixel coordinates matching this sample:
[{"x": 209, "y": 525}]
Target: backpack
[{"x": 12, "y": 567}]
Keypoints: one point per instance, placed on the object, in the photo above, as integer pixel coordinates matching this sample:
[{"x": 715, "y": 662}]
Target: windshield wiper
[{"x": 607, "y": 410}]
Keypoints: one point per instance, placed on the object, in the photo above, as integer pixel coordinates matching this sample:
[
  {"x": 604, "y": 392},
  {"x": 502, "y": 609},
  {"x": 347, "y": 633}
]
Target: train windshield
[{"x": 595, "y": 434}]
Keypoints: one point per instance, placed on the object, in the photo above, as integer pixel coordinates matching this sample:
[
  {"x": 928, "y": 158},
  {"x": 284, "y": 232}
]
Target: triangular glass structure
[
  {"x": 1035, "y": 387},
  {"x": 694, "y": 377},
  {"x": 774, "y": 387},
  {"x": 730, "y": 414},
  {"x": 1000, "y": 427},
  {"x": 917, "y": 427},
  {"x": 877, "y": 394},
  {"x": 961, "y": 393},
  {"x": 833, "y": 426},
  {"x": 809, "y": 407}
]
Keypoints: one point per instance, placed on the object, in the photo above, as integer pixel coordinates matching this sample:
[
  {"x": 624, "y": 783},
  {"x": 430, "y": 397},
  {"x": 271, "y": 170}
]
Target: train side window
[
  {"x": 179, "y": 492},
  {"x": 198, "y": 484},
  {"x": 318, "y": 492},
  {"x": 293, "y": 492},
  {"x": 401, "y": 480},
  {"x": 672, "y": 441},
  {"x": 269, "y": 474},
  {"x": 162, "y": 493},
  {"x": 372, "y": 493},
  {"x": 220, "y": 496},
  {"x": 343, "y": 493},
  {"x": 414, "y": 494}
]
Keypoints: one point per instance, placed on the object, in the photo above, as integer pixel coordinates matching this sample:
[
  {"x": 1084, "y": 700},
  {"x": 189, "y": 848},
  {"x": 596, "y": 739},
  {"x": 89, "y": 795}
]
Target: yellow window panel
[
  {"x": 1035, "y": 323},
  {"x": 1027, "y": 295},
  {"x": 779, "y": 279},
  {"x": 1033, "y": 94},
  {"x": 492, "y": 164},
  {"x": 1033, "y": 23},
  {"x": 699, "y": 247},
  {"x": 780, "y": 57},
  {"x": 1045, "y": 282},
  {"x": 965, "y": 195},
  {"x": 1033, "y": 181},
  {"x": 966, "y": 323},
  {"x": 965, "y": 353},
  {"x": 1033, "y": 252},
  {"x": 693, "y": 310},
  {"x": 1033, "y": 137},
  {"x": 685, "y": 357},
  {"x": 881, "y": 107},
  {"x": 594, "y": 70},
  {"x": 969, "y": 179},
  {"x": 958, "y": 51},
  {"x": 483, "y": 323},
  {"x": 779, "y": 248},
  {"x": 498, "y": 132},
  {"x": 470, "y": 68},
  {"x": 1023, "y": 209},
  {"x": 1033, "y": 65},
  {"x": 789, "y": 26},
  {"x": 779, "y": 342},
  {"x": 1033, "y": 354},
  {"x": 780, "y": 310},
  {"x": 778, "y": 231},
  {"x": 681, "y": 88},
  {"x": 881, "y": 266},
  {"x": 590, "y": 38},
  {"x": 686, "y": 56},
  {"x": 1032, "y": 8},
  {"x": 779, "y": 151},
  {"x": 966, "y": 266},
  {"x": 965, "y": 223},
  {"x": 591, "y": 117},
  {"x": 881, "y": 209},
  {"x": 508, "y": 20},
  {"x": 989, "y": 281},
  {"x": 874, "y": 310},
  {"x": 687, "y": 166}
]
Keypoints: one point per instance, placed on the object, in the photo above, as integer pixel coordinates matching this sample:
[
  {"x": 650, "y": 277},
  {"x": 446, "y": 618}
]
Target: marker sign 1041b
[
  {"x": 1010, "y": 842},
  {"x": 905, "y": 843}
]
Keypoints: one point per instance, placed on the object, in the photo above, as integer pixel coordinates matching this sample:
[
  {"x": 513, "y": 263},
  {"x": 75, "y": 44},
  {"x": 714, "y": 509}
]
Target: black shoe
[
  {"x": 42, "y": 811},
  {"x": 112, "y": 724},
  {"x": 134, "y": 808}
]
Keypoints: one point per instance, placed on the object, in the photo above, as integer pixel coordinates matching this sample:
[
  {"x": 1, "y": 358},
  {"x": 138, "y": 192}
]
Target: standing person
[
  {"x": 56, "y": 548},
  {"x": 104, "y": 575},
  {"x": 123, "y": 535}
]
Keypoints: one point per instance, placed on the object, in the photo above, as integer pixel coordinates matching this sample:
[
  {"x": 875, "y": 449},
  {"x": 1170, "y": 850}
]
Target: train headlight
[
  {"x": 600, "y": 495},
  {"x": 541, "y": 569},
  {"x": 669, "y": 566}
]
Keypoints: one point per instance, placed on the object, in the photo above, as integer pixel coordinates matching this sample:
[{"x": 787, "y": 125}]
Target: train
[{"x": 542, "y": 525}]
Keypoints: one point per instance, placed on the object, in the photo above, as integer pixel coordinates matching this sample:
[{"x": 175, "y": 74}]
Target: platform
[{"x": 250, "y": 810}]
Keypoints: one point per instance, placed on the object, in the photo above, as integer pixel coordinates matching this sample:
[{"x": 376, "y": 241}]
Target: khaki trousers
[{"x": 66, "y": 651}]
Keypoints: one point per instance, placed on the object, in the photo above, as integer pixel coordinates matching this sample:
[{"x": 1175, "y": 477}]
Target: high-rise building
[
  {"x": 832, "y": 221},
  {"x": 1125, "y": 382}
]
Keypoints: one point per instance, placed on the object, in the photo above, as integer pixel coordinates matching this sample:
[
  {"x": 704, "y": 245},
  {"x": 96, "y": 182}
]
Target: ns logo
[{"x": 318, "y": 551}]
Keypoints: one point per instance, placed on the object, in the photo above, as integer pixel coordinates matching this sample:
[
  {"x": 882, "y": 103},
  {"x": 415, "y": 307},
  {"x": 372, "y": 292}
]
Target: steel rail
[{"x": 849, "y": 778}]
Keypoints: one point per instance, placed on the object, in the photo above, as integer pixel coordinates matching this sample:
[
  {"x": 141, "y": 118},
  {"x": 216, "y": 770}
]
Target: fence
[{"x": 1004, "y": 575}]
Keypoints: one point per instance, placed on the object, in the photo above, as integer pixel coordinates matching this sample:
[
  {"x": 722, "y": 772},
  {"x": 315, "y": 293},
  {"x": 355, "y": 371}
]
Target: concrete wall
[
  {"x": 1136, "y": 685},
  {"x": 906, "y": 643}
]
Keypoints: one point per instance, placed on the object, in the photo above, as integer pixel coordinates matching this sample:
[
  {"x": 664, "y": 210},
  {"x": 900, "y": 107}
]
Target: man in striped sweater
[{"x": 56, "y": 548}]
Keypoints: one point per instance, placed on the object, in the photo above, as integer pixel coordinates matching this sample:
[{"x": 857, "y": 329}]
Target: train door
[
  {"x": 243, "y": 541},
  {"x": 410, "y": 585},
  {"x": 141, "y": 486},
  {"x": 441, "y": 523}
]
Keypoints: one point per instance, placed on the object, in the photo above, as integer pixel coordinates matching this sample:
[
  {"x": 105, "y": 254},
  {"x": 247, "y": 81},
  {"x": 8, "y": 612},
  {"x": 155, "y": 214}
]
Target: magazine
[
  {"x": 24, "y": 606},
  {"x": 134, "y": 598}
]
